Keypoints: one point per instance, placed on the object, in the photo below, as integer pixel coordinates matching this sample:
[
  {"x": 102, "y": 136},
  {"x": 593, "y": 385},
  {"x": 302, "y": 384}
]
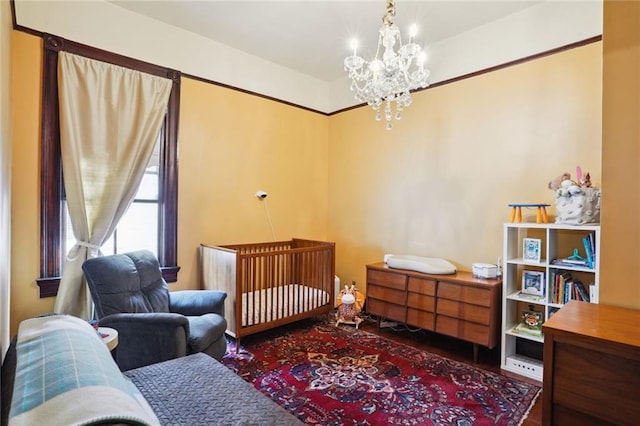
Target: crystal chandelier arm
[
  {"x": 379, "y": 44},
  {"x": 356, "y": 87}
]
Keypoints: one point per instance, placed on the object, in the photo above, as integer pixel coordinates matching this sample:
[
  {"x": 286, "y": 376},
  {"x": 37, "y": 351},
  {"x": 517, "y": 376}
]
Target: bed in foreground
[{"x": 270, "y": 284}]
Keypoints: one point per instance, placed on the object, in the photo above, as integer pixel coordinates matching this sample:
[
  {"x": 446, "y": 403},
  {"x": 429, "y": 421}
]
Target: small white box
[
  {"x": 484, "y": 270},
  {"x": 524, "y": 366}
]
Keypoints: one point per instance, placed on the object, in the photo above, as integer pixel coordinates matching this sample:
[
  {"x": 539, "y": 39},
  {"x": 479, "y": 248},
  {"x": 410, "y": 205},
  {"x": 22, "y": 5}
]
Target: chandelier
[{"x": 389, "y": 78}]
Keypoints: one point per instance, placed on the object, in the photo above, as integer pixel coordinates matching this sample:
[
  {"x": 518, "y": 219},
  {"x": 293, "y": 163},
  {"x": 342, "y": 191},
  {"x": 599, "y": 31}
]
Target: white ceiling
[
  {"x": 312, "y": 37},
  {"x": 294, "y": 50}
]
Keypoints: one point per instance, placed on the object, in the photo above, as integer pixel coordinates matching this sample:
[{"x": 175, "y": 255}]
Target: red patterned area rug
[{"x": 327, "y": 375}]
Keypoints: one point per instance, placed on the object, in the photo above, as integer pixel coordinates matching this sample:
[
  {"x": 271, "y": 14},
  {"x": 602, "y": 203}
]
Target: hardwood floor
[{"x": 453, "y": 349}]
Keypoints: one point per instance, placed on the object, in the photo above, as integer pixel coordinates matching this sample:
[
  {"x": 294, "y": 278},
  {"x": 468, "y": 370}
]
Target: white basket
[{"x": 579, "y": 209}]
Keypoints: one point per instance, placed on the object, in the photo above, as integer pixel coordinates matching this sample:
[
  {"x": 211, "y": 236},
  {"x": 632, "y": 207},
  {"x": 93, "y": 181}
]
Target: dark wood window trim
[{"x": 51, "y": 191}]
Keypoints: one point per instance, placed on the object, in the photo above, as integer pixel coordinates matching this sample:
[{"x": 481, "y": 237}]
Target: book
[
  {"x": 552, "y": 285},
  {"x": 582, "y": 291},
  {"x": 568, "y": 289},
  {"x": 587, "y": 249},
  {"x": 592, "y": 243},
  {"x": 528, "y": 296},
  {"x": 570, "y": 263},
  {"x": 593, "y": 294},
  {"x": 522, "y": 329},
  {"x": 574, "y": 261},
  {"x": 553, "y": 277},
  {"x": 561, "y": 278}
]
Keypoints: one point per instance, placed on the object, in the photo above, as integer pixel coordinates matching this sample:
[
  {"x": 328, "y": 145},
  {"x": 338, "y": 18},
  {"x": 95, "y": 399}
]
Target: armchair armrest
[
  {"x": 197, "y": 302},
  {"x": 148, "y": 338}
]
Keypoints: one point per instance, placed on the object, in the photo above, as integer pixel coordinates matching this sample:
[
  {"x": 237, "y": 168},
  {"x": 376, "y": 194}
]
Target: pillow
[
  {"x": 427, "y": 265},
  {"x": 65, "y": 375}
]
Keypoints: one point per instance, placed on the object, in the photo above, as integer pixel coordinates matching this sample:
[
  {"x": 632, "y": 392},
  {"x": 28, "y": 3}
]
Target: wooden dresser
[
  {"x": 591, "y": 366},
  {"x": 457, "y": 305}
]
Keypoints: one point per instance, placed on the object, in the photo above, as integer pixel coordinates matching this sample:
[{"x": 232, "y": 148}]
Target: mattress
[{"x": 280, "y": 302}]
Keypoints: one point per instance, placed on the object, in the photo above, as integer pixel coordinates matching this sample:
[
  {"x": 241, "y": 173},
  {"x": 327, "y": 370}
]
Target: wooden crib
[{"x": 270, "y": 284}]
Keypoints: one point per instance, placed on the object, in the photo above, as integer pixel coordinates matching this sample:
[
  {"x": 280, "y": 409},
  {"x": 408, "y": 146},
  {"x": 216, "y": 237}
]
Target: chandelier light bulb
[
  {"x": 421, "y": 59},
  {"x": 376, "y": 65},
  {"x": 354, "y": 45},
  {"x": 392, "y": 74},
  {"x": 413, "y": 31}
]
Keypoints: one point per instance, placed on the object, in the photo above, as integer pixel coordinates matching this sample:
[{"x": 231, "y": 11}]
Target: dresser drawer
[
  {"x": 420, "y": 301},
  {"x": 422, "y": 286},
  {"x": 464, "y": 311},
  {"x": 474, "y": 295},
  {"x": 385, "y": 309},
  {"x": 386, "y": 294},
  {"x": 387, "y": 279},
  {"x": 464, "y": 330},
  {"x": 419, "y": 318}
]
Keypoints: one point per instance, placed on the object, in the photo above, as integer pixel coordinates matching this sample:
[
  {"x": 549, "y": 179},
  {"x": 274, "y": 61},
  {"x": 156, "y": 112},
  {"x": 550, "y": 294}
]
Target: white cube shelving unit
[{"x": 521, "y": 353}]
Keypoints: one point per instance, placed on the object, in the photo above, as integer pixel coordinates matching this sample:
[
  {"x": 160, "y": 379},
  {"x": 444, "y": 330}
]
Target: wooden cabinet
[
  {"x": 591, "y": 366},
  {"x": 457, "y": 305}
]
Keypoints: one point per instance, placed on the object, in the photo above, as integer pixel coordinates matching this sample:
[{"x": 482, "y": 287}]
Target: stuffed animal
[
  {"x": 349, "y": 310},
  {"x": 564, "y": 186},
  {"x": 583, "y": 181},
  {"x": 568, "y": 188},
  {"x": 556, "y": 182}
]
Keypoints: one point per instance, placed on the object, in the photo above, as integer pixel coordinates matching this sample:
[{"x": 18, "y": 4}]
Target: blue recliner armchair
[{"x": 153, "y": 324}]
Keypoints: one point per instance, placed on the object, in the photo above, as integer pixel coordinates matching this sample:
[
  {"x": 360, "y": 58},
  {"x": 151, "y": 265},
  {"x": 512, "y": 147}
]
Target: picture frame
[
  {"x": 531, "y": 249},
  {"x": 533, "y": 283}
]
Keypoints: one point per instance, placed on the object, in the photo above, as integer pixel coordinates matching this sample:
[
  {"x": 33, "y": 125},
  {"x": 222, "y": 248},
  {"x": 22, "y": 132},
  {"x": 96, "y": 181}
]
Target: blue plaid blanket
[{"x": 65, "y": 375}]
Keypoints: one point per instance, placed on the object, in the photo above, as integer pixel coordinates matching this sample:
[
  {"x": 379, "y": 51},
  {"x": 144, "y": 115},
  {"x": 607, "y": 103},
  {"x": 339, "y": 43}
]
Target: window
[
  {"x": 158, "y": 192},
  {"x": 138, "y": 227}
]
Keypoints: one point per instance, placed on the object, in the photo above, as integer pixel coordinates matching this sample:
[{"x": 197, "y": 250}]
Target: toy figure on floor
[{"x": 349, "y": 310}]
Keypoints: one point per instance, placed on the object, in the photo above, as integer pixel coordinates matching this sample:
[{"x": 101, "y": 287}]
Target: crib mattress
[{"x": 280, "y": 302}]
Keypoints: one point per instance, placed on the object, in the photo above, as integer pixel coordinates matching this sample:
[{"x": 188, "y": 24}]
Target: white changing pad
[{"x": 427, "y": 265}]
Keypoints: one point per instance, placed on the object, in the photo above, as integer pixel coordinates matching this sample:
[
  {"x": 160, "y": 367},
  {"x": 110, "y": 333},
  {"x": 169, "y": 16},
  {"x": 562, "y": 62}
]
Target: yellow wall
[
  {"x": 5, "y": 174},
  {"x": 438, "y": 184},
  {"x": 25, "y": 205},
  {"x": 231, "y": 145},
  {"x": 621, "y": 154}
]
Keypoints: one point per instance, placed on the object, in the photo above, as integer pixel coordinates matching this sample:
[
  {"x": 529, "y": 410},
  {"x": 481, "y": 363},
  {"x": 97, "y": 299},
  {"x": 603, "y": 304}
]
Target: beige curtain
[{"x": 110, "y": 118}]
